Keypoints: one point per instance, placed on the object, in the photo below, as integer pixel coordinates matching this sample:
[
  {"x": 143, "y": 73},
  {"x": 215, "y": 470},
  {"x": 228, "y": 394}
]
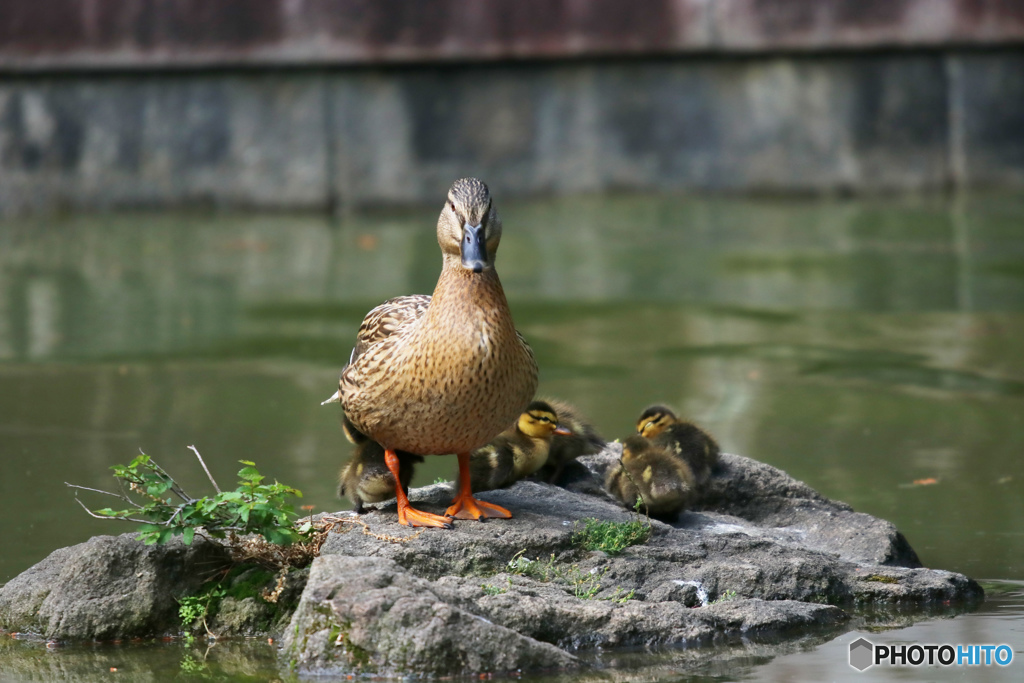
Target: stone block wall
[{"x": 312, "y": 104}]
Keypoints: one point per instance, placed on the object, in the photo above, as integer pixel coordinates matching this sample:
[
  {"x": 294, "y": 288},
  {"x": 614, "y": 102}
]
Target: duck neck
[{"x": 462, "y": 292}]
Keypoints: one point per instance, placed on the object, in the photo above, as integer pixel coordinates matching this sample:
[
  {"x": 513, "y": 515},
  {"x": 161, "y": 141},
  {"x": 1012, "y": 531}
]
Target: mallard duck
[
  {"x": 684, "y": 439},
  {"x": 582, "y": 439},
  {"x": 365, "y": 478},
  {"x": 443, "y": 373},
  {"x": 517, "y": 452},
  {"x": 663, "y": 483}
]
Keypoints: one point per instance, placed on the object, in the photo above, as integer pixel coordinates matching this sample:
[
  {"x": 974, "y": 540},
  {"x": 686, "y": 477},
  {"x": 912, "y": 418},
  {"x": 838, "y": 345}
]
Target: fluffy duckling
[
  {"x": 663, "y": 482},
  {"x": 582, "y": 439},
  {"x": 517, "y": 452},
  {"x": 684, "y": 439},
  {"x": 365, "y": 478}
]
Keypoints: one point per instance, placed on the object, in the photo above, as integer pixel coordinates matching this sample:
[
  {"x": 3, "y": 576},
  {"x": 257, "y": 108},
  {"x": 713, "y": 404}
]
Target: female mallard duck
[
  {"x": 517, "y": 452},
  {"x": 365, "y": 478},
  {"x": 443, "y": 373},
  {"x": 684, "y": 439},
  {"x": 582, "y": 439},
  {"x": 662, "y": 482}
]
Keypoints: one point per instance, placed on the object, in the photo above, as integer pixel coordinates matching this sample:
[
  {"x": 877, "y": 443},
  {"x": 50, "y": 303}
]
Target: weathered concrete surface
[
  {"x": 820, "y": 124},
  {"x": 90, "y": 34}
]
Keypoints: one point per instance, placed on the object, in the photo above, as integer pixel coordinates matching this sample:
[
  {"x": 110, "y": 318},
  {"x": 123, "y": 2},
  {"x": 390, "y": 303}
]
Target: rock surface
[
  {"x": 780, "y": 557},
  {"x": 761, "y": 557}
]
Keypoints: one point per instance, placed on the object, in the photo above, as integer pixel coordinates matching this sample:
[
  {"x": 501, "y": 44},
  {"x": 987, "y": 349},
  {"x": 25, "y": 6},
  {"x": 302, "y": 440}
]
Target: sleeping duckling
[
  {"x": 582, "y": 439},
  {"x": 663, "y": 482},
  {"x": 518, "y": 451},
  {"x": 684, "y": 439},
  {"x": 365, "y": 478}
]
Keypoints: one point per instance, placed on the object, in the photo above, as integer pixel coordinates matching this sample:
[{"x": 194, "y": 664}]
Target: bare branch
[
  {"x": 203, "y": 463},
  {"x": 106, "y": 493},
  {"x": 126, "y": 519}
]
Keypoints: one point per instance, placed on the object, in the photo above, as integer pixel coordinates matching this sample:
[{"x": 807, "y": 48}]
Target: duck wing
[{"x": 387, "y": 319}]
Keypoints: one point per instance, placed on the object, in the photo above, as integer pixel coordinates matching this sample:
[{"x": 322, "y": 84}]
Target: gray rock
[
  {"x": 107, "y": 588},
  {"x": 369, "y": 615}
]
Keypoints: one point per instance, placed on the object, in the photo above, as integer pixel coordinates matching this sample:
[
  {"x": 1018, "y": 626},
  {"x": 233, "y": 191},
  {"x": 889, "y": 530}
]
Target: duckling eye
[{"x": 452, "y": 204}]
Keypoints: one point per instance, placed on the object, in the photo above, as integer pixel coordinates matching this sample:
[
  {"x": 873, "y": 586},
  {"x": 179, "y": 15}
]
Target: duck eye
[{"x": 452, "y": 204}]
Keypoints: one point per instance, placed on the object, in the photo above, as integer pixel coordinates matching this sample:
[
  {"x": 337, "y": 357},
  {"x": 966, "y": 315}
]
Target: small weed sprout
[
  {"x": 581, "y": 583},
  {"x": 725, "y": 597}
]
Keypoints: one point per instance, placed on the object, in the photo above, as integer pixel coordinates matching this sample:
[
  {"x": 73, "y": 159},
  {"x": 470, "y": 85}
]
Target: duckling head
[
  {"x": 655, "y": 420},
  {"x": 540, "y": 421},
  {"x": 633, "y": 446},
  {"x": 469, "y": 229}
]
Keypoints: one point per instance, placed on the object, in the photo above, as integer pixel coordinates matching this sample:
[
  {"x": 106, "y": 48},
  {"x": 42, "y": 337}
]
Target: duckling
[
  {"x": 582, "y": 439},
  {"x": 517, "y": 452},
  {"x": 365, "y": 478},
  {"x": 444, "y": 373},
  {"x": 684, "y": 439},
  {"x": 664, "y": 483}
]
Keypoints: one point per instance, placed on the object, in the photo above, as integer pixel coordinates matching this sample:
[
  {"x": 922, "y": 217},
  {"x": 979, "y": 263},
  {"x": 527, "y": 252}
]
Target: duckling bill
[
  {"x": 683, "y": 439},
  {"x": 517, "y": 452},
  {"x": 663, "y": 483}
]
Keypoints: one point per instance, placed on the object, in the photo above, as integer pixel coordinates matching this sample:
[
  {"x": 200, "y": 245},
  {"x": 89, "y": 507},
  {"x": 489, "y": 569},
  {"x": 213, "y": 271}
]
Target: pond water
[{"x": 873, "y": 349}]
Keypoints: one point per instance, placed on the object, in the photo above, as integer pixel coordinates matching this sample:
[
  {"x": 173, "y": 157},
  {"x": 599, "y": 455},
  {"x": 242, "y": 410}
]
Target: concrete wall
[{"x": 307, "y": 104}]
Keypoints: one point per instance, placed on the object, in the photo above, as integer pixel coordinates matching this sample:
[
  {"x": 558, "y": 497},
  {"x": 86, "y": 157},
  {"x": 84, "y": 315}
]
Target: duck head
[
  {"x": 469, "y": 229},
  {"x": 540, "y": 421},
  {"x": 655, "y": 420}
]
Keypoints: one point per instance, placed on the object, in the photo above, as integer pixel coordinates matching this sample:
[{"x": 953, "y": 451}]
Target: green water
[{"x": 859, "y": 345}]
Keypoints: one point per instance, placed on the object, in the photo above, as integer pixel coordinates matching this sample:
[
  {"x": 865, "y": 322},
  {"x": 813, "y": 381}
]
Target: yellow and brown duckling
[
  {"x": 664, "y": 483},
  {"x": 582, "y": 439},
  {"x": 517, "y": 452},
  {"x": 681, "y": 438},
  {"x": 444, "y": 373},
  {"x": 365, "y": 478}
]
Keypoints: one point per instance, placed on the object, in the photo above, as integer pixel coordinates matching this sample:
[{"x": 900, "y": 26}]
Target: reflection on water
[{"x": 861, "y": 346}]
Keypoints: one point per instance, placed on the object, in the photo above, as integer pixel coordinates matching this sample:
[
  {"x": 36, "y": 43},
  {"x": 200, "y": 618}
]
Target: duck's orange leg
[
  {"x": 465, "y": 506},
  {"x": 407, "y": 515}
]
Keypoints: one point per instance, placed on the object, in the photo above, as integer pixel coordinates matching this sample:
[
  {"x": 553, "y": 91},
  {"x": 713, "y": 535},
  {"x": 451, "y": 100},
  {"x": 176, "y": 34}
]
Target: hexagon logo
[{"x": 862, "y": 654}]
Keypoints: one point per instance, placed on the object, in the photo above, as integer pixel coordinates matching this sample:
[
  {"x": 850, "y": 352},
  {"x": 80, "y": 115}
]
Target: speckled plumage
[
  {"x": 449, "y": 372},
  {"x": 446, "y": 373}
]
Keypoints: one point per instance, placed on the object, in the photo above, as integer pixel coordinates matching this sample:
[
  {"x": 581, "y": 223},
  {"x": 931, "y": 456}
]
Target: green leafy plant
[
  {"x": 194, "y": 609},
  {"x": 254, "y": 507},
  {"x": 725, "y": 597},
  {"x": 611, "y": 537},
  {"x": 494, "y": 590}
]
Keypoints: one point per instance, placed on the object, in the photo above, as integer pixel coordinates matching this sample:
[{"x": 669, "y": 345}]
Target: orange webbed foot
[
  {"x": 468, "y": 507},
  {"x": 413, "y": 517}
]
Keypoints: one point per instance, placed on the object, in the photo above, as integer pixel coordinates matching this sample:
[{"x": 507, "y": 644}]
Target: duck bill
[
  {"x": 562, "y": 431},
  {"x": 474, "y": 248}
]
